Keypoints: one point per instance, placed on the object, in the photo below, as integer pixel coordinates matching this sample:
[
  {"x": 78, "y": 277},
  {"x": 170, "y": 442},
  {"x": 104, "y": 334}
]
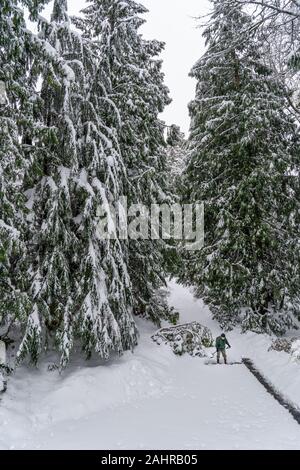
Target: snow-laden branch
[{"x": 270, "y": 5}]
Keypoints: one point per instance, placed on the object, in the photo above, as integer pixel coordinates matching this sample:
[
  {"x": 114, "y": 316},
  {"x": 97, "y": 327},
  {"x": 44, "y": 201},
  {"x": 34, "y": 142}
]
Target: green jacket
[{"x": 221, "y": 343}]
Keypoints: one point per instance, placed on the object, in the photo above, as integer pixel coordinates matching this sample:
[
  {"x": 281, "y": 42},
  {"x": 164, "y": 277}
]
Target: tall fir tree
[
  {"x": 50, "y": 190},
  {"x": 242, "y": 145},
  {"x": 18, "y": 50},
  {"x": 176, "y": 155},
  {"x": 133, "y": 80},
  {"x": 176, "y": 161},
  {"x": 80, "y": 287},
  {"x": 104, "y": 293}
]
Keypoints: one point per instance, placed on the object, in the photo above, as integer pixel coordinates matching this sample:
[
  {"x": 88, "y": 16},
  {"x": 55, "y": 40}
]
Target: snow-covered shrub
[
  {"x": 295, "y": 350},
  {"x": 270, "y": 323},
  {"x": 289, "y": 345},
  {"x": 189, "y": 338},
  {"x": 281, "y": 344},
  {"x": 2, "y": 352},
  {"x": 2, "y": 382}
]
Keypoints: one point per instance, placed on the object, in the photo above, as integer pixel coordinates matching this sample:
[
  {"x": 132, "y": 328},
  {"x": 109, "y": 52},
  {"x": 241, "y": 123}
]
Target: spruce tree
[
  {"x": 104, "y": 292},
  {"x": 79, "y": 287},
  {"x": 176, "y": 155},
  {"x": 242, "y": 146},
  {"x": 50, "y": 190},
  {"x": 133, "y": 80},
  {"x": 176, "y": 160},
  {"x": 17, "y": 98}
]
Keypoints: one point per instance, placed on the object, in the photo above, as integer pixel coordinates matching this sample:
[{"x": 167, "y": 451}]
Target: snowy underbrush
[
  {"x": 295, "y": 350},
  {"x": 2, "y": 382},
  {"x": 288, "y": 345},
  {"x": 191, "y": 338}
]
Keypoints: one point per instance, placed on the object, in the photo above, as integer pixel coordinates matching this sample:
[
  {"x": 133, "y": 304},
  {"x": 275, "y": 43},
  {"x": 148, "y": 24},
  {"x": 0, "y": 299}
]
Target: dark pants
[{"x": 223, "y": 352}]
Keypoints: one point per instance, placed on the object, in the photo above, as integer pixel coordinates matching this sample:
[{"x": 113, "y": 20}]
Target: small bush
[
  {"x": 190, "y": 338},
  {"x": 295, "y": 350},
  {"x": 282, "y": 344},
  {"x": 289, "y": 345}
]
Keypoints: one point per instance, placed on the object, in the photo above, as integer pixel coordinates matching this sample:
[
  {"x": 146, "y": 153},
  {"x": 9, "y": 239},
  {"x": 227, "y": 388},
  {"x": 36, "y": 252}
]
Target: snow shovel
[
  {"x": 213, "y": 354},
  {"x": 209, "y": 362}
]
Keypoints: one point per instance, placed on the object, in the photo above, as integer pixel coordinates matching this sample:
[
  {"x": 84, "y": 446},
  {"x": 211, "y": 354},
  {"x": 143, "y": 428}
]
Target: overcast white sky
[{"x": 172, "y": 21}]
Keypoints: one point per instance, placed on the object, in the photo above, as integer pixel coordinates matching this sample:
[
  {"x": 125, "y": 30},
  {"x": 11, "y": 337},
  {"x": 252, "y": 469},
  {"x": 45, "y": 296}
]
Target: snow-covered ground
[
  {"x": 153, "y": 399},
  {"x": 278, "y": 367}
]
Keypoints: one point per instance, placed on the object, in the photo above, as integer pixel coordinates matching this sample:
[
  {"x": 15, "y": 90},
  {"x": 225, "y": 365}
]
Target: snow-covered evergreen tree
[
  {"x": 80, "y": 288},
  {"x": 50, "y": 188},
  {"x": 176, "y": 154},
  {"x": 17, "y": 95},
  {"x": 104, "y": 296},
  {"x": 176, "y": 160},
  {"x": 242, "y": 158},
  {"x": 131, "y": 73}
]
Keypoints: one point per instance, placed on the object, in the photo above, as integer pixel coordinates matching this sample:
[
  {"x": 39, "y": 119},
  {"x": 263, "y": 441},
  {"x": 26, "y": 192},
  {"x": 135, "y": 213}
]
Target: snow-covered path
[{"x": 151, "y": 399}]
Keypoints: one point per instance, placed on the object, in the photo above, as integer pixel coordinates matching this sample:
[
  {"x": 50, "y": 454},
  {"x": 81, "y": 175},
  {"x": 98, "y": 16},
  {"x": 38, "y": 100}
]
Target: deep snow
[{"x": 153, "y": 399}]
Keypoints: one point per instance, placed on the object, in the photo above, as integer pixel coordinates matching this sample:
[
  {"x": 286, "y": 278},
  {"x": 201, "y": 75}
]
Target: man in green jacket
[{"x": 221, "y": 343}]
